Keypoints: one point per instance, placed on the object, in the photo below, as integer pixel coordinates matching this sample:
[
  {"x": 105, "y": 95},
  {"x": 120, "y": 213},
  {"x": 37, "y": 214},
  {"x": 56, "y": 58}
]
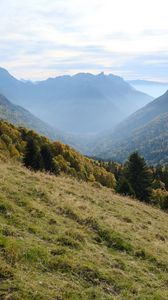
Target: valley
[{"x": 83, "y": 150}]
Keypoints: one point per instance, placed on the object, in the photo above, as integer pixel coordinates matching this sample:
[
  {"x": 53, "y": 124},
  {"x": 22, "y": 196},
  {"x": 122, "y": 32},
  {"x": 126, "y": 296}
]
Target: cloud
[{"x": 49, "y": 37}]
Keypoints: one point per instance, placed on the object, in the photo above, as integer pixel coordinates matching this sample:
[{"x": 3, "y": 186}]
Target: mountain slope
[
  {"x": 145, "y": 131},
  {"x": 40, "y": 153},
  {"x": 19, "y": 116},
  {"x": 143, "y": 116},
  {"x": 61, "y": 239},
  {"x": 80, "y": 104}
]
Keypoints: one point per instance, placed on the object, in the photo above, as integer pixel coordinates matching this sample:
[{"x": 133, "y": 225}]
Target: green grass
[{"x": 64, "y": 239}]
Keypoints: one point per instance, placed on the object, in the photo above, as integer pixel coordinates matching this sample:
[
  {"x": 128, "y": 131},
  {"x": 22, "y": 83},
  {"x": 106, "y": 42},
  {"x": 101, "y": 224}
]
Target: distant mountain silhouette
[
  {"x": 152, "y": 88},
  {"x": 145, "y": 131},
  {"x": 79, "y": 104}
]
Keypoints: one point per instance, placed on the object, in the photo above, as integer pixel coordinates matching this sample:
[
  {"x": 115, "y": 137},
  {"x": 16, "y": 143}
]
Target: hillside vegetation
[
  {"x": 150, "y": 140},
  {"x": 144, "y": 131},
  {"x": 50, "y": 156},
  {"x": 62, "y": 239}
]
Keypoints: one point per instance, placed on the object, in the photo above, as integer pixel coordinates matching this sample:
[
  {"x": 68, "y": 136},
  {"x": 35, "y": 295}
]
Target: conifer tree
[
  {"x": 47, "y": 157},
  {"x": 124, "y": 187},
  {"x": 32, "y": 157},
  {"x": 139, "y": 176}
]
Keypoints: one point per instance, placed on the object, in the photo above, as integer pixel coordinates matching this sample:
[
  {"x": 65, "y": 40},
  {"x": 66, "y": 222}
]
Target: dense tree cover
[
  {"x": 134, "y": 178},
  {"x": 38, "y": 153},
  {"x": 124, "y": 187}
]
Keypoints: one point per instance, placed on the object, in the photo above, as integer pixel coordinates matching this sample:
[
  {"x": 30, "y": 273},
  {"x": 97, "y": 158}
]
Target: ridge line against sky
[{"x": 48, "y": 38}]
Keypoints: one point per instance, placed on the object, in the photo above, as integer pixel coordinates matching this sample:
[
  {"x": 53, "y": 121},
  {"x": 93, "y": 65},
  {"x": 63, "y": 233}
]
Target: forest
[
  {"x": 40, "y": 154},
  {"x": 134, "y": 178}
]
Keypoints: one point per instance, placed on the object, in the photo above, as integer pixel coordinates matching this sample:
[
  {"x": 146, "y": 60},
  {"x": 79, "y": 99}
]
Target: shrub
[{"x": 160, "y": 198}]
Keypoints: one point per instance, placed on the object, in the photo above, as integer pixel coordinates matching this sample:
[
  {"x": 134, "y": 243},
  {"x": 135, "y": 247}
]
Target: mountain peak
[{"x": 101, "y": 74}]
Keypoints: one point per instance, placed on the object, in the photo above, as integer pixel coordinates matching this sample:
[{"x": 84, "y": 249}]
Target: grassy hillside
[{"x": 62, "y": 239}]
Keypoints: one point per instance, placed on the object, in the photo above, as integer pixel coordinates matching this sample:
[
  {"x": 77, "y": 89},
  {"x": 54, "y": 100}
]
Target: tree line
[
  {"x": 38, "y": 153},
  {"x": 134, "y": 178}
]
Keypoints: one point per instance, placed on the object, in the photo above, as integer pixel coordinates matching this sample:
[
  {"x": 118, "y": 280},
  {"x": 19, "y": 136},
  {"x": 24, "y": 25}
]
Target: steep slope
[
  {"x": 61, "y": 239},
  {"x": 57, "y": 158},
  {"x": 19, "y": 116},
  {"x": 83, "y": 103},
  {"x": 145, "y": 131},
  {"x": 152, "y": 88},
  {"x": 150, "y": 140},
  {"x": 143, "y": 116}
]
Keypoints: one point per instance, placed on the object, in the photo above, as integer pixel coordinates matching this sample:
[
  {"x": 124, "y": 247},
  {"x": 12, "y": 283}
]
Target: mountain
[
  {"x": 65, "y": 239},
  {"x": 19, "y": 116},
  {"x": 145, "y": 131},
  {"x": 152, "y": 88},
  {"x": 80, "y": 104}
]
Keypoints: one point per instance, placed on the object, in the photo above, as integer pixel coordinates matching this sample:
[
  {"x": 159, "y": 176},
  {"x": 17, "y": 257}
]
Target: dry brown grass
[{"x": 64, "y": 239}]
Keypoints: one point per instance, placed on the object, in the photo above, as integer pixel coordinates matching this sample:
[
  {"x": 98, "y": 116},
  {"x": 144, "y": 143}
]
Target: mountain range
[
  {"x": 152, "y": 88},
  {"x": 146, "y": 131},
  {"x": 91, "y": 108},
  {"x": 79, "y": 104}
]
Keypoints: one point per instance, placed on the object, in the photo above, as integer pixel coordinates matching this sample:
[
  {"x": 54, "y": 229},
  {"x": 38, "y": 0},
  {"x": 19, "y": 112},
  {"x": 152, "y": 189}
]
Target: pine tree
[
  {"x": 139, "y": 176},
  {"x": 32, "y": 157},
  {"x": 47, "y": 157},
  {"x": 124, "y": 187}
]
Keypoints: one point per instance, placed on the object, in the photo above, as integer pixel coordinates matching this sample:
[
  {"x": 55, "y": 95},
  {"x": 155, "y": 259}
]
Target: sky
[{"x": 48, "y": 38}]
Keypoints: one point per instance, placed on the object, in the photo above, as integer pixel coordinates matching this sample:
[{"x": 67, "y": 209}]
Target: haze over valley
[
  {"x": 70, "y": 102},
  {"x": 83, "y": 150}
]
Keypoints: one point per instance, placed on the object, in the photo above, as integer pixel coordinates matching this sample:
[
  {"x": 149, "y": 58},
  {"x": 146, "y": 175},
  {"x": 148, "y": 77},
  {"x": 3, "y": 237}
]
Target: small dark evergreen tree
[
  {"x": 47, "y": 157},
  {"x": 161, "y": 173},
  {"x": 32, "y": 157},
  {"x": 139, "y": 177},
  {"x": 124, "y": 187}
]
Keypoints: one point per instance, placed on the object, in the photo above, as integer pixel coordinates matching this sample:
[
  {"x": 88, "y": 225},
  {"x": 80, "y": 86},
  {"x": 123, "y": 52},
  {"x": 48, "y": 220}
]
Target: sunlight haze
[{"x": 46, "y": 38}]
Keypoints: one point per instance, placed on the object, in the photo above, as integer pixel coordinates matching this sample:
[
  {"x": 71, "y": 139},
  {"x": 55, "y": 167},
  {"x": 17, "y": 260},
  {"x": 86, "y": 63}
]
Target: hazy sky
[{"x": 41, "y": 38}]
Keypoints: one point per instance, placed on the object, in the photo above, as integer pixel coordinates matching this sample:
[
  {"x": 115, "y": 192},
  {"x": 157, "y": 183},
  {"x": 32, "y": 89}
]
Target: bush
[{"x": 160, "y": 198}]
